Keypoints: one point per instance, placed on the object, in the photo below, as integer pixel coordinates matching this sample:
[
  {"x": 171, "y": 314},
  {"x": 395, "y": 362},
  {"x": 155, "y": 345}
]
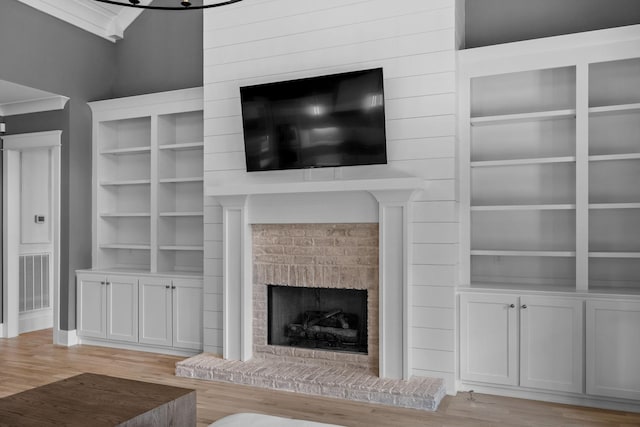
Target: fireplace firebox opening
[{"x": 318, "y": 318}]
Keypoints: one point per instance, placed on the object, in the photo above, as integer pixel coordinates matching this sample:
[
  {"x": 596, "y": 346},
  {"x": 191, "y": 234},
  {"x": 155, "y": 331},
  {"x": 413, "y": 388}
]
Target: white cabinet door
[
  {"x": 489, "y": 338},
  {"x": 551, "y": 343},
  {"x": 122, "y": 312},
  {"x": 187, "y": 313},
  {"x": 613, "y": 349},
  {"x": 92, "y": 306},
  {"x": 155, "y": 311}
]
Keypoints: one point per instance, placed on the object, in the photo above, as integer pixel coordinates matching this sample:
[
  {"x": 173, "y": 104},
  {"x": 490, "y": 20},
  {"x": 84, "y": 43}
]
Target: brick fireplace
[
  {"x": 344, "y": 230},
  {"x": 374, "y": 202},
  {"x": 316, "y": 256}
]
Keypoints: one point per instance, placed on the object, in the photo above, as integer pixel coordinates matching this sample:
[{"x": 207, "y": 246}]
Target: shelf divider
[
  {"x": 126, "y": 182},
  {"x": 181, "y": 214},
  {"x": 125, "y": 246},
  {"x": 607, "y": 157},
  {"x": 516, "y": 162},
  {"x": 132, "y": 150},
  {"x": 181, "y": 248},
  {"x": 614, "y": 206},
  {"x": 523, "y": 253},
  {"x": 612, "y": 109},
  {"x": 582, "y": 177},
  {"x": 523, "y": 207},
  {"x": 524, "y": 117},
  {"x": 182, "y": 146}
]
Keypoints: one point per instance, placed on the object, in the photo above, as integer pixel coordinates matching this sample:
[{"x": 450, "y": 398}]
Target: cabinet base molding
[
  {"x": 554, "y": 397},
  {"x": 138, "y": 347}
]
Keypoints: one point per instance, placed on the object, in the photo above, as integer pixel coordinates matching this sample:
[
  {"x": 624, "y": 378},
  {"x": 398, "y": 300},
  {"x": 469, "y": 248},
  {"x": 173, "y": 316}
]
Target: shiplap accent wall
[{"x": 414, "y": 41}]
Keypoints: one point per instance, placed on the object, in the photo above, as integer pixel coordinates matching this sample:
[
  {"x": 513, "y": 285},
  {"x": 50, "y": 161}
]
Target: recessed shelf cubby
[
  {"x": 524, "y": 230},
  {"x": 179, "y": 129},
  {"x": 526, "y": 184},
  {"x": 532, "y": 91},
  {"x": 126, "y": 134}
]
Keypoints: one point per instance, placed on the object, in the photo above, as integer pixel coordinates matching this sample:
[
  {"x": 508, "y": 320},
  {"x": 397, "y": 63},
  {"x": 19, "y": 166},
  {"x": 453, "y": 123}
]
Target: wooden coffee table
[{"x": 100, "y": 400}]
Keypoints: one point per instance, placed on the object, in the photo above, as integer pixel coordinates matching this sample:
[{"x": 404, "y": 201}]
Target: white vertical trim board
[{"x": 11, "y": 240}]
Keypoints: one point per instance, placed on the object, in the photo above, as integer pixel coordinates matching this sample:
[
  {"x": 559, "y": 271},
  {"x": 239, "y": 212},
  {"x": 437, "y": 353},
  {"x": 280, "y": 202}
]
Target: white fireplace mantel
[
  {"x": 357, "y": 178},
  {"x": 393, "y": 192}
]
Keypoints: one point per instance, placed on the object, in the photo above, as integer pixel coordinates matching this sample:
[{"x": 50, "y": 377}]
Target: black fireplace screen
[{"x": 319, "y": 318}]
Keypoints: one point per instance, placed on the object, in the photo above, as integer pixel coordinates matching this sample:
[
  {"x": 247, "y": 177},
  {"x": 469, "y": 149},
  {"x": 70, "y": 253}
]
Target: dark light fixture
[{"x": 184, "y": 5}]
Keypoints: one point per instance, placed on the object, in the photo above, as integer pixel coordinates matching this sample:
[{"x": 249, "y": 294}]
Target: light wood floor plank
[{"x": 31, "y": 360}]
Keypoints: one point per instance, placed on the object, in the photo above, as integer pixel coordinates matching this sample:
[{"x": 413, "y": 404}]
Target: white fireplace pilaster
[
  {"x": 237, "y": 308},
  {"x": 395, "y": 261}
]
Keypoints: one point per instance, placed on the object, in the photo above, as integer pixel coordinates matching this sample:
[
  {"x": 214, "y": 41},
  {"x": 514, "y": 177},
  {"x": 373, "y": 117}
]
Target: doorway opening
[{"x": 31, "y": 232}]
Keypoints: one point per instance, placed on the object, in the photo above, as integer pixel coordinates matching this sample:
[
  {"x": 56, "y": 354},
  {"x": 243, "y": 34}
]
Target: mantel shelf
[{"x": 277, "y": 184}]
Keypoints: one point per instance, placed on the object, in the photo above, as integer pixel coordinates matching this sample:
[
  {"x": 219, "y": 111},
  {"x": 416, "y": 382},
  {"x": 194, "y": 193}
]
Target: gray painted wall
[
  {"x": 160, "y": 51},
  {"x": 40, "y": 51},
  {"x": 491, "y": 22}
]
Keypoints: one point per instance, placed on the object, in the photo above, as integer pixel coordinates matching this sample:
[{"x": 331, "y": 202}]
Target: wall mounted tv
[{"x": 326, "y": 121}]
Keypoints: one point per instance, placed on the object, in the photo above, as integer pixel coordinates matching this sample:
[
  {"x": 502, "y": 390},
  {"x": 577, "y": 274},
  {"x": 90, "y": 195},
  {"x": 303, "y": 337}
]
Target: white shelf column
[{"x": 582, "y": 177}]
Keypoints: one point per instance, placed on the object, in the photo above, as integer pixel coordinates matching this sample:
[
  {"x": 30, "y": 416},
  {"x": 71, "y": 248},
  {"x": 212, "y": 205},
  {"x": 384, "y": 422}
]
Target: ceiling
[
  {"x": 488, "y": 22},
  {"x": 105, "y": 20}
]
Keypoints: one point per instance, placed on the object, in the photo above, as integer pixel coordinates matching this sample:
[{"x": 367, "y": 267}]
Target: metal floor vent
[{"x": 34, "y": 282}]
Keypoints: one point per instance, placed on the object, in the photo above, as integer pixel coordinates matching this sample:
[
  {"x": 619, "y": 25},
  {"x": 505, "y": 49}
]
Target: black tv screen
[{"x": 327, "y": 121}]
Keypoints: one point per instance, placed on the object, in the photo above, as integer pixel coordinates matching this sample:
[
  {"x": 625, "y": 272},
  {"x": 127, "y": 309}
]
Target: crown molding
[
  {"x": 106, "y": 21},
  {"x": 33, "y": 105}
]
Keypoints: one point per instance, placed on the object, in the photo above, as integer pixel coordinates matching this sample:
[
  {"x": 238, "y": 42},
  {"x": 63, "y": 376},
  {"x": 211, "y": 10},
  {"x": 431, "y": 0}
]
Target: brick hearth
[{"x": 343, "y": 383}]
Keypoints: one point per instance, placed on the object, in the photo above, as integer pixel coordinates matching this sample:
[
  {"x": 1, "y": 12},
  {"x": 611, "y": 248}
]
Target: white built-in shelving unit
[
  {"x": 549, "y": 172},
  {"x": 144, "y": 290}
]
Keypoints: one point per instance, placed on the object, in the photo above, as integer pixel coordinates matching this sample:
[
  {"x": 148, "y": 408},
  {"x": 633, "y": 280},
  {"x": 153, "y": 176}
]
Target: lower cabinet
[
  {"x": 153, "y": 310},
  {"x": 171, "y": 312},
  {"x": 108, "y": 307},
  {"x": 613, "y": 349},
  {"x": 489, "y": 338},
  {"x": 530, "y": 341}
]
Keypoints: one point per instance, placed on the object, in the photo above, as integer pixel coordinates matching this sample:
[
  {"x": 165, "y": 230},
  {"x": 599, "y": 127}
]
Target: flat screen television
[{"x": 327, "y": 121}]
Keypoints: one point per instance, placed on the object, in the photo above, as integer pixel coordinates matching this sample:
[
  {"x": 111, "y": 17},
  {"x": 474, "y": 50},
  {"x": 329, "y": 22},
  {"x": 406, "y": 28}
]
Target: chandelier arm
[{"x": 117, "y": 3}]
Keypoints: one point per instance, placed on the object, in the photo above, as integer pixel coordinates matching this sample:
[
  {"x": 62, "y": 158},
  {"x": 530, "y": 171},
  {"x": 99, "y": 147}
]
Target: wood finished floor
[{"x": 31, "y": 360}]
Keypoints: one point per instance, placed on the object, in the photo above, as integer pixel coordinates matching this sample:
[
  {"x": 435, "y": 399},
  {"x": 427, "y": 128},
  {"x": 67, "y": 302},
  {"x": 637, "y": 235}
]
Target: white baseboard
[
  {"x": 1, "y": 330},
  {"x": 66, "y": 338},
  {"x": 35, "y": 321},
  {"x": 551, "y": 396}
]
